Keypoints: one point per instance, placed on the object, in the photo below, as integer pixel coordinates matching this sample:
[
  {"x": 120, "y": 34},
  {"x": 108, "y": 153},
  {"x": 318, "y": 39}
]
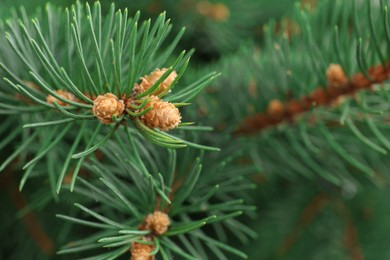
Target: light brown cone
[
  {"x": 336, "y": 76},
  {"x": 218, "y": 12},
  {"x": 148, "y": 80},
  {"x": 163, "y": 115},
  {"x": 107, "y": 105},
  {"x": 62, "y": 93},
  {"x": 31, "y": 85},
  {"x": 26, "y": 99},
  {"x": 158, "y": 222},
  {"x": 275, "y": 108},
  {"x": 141, "y": 251}
]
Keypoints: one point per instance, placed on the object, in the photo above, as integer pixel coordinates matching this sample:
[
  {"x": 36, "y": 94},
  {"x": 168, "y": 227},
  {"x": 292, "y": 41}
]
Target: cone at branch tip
[
  {"x": 163, "y": 115},
  {"x": 157, "y": 222},
  {"x": 148, "y": 81},
  {"x": 141, "y": 251},
  {"x": 106, "y": 106},
  {"x": 64, "y": 94},
  {"x": 336, "y": 76}
]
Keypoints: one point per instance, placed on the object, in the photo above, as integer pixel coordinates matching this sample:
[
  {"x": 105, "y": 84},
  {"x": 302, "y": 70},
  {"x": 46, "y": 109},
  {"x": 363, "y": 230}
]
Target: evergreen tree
[{"x": 269, "y": 143}]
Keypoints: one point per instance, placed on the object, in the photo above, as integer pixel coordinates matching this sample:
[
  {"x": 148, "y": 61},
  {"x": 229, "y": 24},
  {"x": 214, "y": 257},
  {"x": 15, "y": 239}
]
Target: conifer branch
[
  {"x": 105, "y": 70},
  {"x": 351, "y": 236},
  {"x": 96, "y": 103},
  {"x": 152, "y": 223},
  {"x": 278, "y": 112}
]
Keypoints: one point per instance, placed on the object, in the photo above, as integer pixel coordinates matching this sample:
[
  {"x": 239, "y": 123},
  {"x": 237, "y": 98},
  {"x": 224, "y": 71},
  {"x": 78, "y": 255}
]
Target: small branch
[
  {"x": 350, "y": 239},
  {"x": 351, "y": 242},
  {"x": 278, "y": 113}
]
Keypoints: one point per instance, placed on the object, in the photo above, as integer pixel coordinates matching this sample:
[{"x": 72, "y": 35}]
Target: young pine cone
[
  {"x": 158, "y": 222},
  {"x": 275, "y": 108},
  {"x": 163, "y": 115},
  {"x": 141, "y": 251},
  {"x": 106, "y": 106},
  {"x": 336, "y": 76},
  {"x": 62, "y": 93},
  {"x": 217, "y": 12},
  {"x": 148, "y": 80}
]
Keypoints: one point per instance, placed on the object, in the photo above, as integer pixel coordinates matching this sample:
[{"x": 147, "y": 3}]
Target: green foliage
[
  {"x": 321, "y": 176},
  {"x": 298, "y": 65},
  {"x": 80, "y": 51},
  {"x": 315, "y": 221},
  {"x": 127, "y": 191},
  {"x": 216, "y": 28},
  {"x": 94, "y": 56}
]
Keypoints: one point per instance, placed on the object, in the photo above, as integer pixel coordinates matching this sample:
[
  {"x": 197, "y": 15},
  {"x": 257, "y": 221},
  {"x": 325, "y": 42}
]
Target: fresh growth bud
[
  {"x": 158, "y": 222},
  {"x": 106, "y": 106},
  {"x": 163, "y": 115},
  {"x": 31, "y": 85},
  {"x": 218, "y": 12},
  {"x": 336, "y": 76},
  {"x": 148, "y": 80},
  {"x": 141, "y": 251},
  {"x": 62, "y": 93},
  {"x": 26, "y": 99},
  {"x": 275, "y": 108}
]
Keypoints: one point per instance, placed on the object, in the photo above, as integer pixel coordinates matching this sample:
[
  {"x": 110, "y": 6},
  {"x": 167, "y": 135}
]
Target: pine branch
[
  {"x": 91, "y": 72},
  {"x": 88, "y": 86},
  {"x": 140, "y": 197},
  {"x": 280, "y": 84},
  {"x": 322, "y": 96}
]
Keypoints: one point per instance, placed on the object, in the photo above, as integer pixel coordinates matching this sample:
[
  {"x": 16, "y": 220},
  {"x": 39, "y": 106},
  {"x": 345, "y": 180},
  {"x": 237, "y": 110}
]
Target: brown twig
[
  {"x": 350, "y": 239},
  {"x": 351, "y": 242},
  {"x": 326, "y": 96}
]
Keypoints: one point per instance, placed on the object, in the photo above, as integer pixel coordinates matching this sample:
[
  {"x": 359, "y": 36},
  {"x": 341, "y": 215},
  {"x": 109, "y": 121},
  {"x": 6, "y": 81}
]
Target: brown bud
[
  {"x": 148, "y": 80},
  {"x": 275, "y": 108},
  {"x": 339, "y": 101},
  {"x": 31, "y": 85},
  {"x": 64, "y": 94},
  {"x": 106, "y": 106},
  {"x": 379, "y": 73},
  {"x": 319, "y": 96},
  {"x": 294, "y": 108},
  {"x": 218, "y": 12},
  {"x": 158, "y": 222},
  {"x": 360, "y": 81},
  {"x": 91, "y": 97},
  {"x": 26, "y": 99},
  {"x": 204, "y": 7},
  {"x": 336, "y": 76},
  {"x": 141, "y": 251},
  {"x": 163, "y": 115}
]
